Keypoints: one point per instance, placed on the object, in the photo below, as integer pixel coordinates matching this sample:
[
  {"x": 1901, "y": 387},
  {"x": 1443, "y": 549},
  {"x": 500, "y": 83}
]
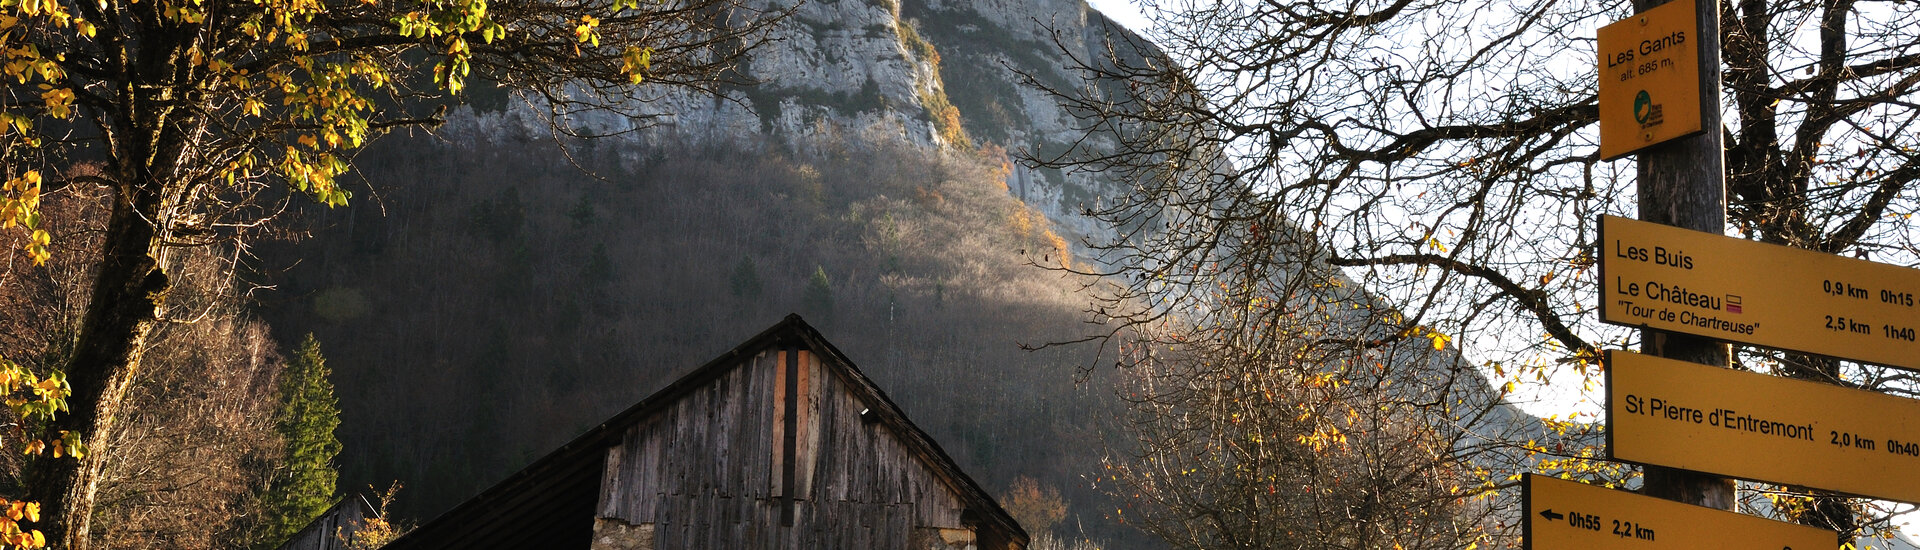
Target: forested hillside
[
  {"x": 486, "y": 290},
  {"x": 495, "y": 291},
  {"x": 492, "y": 300}
]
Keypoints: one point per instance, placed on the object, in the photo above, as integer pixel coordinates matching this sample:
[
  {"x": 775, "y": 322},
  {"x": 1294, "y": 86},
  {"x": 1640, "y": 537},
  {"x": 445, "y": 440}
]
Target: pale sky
[
  {"x": 1561, "y": 395},
  {"x": 1122, "y": 12}
]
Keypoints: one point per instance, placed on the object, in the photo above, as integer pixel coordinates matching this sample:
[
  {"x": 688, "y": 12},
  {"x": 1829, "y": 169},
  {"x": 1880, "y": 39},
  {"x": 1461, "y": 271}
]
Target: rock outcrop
[{"x": 934, "y": 73}]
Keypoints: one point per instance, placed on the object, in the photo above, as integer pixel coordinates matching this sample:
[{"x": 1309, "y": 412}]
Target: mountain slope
[
  {"x": 496, "y": 290},
  {"x": 506, "y": 301}
]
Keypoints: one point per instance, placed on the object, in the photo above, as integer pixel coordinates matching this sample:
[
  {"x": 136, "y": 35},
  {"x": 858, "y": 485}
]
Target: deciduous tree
[
  {"x": 1443, "y": 156},
  {"x": 204, "y": 113},
  {"x": 197, "y": 434},
  {"x": 1038, "y": 508}
]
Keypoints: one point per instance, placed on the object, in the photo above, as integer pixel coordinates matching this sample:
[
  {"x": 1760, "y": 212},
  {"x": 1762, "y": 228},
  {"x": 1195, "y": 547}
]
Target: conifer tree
[
  {"x": 308, "y": 414},
  {"x": 746, "y": 280},
  {"x": 818, "y": 299}
]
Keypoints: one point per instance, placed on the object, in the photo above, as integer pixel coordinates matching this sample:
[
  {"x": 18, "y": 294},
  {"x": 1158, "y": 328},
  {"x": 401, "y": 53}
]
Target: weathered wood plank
[
  {"x": 779, "y": 424},
  {"x": 761, "y": 452},
  {"x": 721, "y": 446},
  {"x": 806, "y": 426},
  {"x": 613, "y": 482},
  {"x": 705, "y": 470}
]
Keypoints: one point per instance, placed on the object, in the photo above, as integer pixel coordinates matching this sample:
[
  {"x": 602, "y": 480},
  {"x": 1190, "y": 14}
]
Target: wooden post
[{"x": 1682, "y": 183}]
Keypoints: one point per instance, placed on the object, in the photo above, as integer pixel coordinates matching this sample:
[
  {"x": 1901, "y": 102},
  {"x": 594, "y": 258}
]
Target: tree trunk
[
  {"x": 1682, "y": 183},
  {"x": 125, "y": 303}
]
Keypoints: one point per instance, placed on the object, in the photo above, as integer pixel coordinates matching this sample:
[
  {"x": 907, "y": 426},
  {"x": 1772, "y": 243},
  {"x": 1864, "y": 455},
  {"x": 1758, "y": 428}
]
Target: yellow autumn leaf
[
  {"x": 585, "y": 31},
  {"x": 635, "y": 61},
  {"x": 59, "y": 102},
  {"x": 37, "y": 247}
]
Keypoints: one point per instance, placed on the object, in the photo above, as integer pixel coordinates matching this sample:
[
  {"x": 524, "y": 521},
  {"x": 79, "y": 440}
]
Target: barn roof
[{"x": 551, "y": 503}]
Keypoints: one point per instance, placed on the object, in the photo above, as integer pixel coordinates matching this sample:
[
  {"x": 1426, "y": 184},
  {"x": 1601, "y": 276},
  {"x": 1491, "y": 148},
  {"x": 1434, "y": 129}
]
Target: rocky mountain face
[
  {"x": 929, "y": 74},
  {"x": 933, "y": 73},
  {"x": 496, "y": 291}
]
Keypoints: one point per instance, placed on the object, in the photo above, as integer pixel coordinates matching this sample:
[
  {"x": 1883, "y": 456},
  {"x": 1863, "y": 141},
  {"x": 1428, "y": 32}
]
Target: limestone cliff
[{"x": 934, "y": 73}]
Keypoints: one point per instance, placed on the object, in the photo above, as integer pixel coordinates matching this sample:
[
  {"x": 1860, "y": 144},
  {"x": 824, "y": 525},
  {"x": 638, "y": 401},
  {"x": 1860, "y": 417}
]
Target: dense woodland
[{"x": 491, "y": 300}]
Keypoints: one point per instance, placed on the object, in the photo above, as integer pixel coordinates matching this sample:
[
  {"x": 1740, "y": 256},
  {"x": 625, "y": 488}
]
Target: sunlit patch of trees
[{"x": 200, "y": 444}]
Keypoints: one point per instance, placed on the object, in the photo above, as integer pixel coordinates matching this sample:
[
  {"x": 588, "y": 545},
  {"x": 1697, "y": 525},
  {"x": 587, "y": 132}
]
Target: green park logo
[{"x": 1645, "y": 111}]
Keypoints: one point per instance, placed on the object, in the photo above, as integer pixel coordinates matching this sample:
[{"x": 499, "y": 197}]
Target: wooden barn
[
  {"x": 780, "y": 443},
  {"x": 331, "y": 530}
]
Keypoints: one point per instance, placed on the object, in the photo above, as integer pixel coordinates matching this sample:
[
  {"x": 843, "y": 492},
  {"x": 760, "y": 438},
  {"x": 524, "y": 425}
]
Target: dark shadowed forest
[{"x": 490, "y": 299}]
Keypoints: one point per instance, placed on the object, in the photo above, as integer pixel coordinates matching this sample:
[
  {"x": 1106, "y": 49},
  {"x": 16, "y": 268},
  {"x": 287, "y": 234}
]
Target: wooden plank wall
[
  {"x": 345, "y": 517},
  {"x": 704, "y": 471}
]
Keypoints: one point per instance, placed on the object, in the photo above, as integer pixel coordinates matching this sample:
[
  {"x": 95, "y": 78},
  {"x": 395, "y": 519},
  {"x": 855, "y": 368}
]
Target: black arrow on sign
[{"x": 1551, "y": 516}]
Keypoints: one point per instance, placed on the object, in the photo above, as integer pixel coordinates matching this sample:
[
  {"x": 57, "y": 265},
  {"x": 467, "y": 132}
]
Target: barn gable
[
  {"x": 333, "y": 527},
  {"x": 779, "y": 443}
]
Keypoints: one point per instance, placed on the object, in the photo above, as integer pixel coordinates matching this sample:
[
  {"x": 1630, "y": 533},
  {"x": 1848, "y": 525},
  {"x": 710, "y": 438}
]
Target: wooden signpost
[
  {"x": 1767, "y": 428},
  {"x": 1720, "y": 287},
  {"x": 1570, "y": 514},
  {"x": 1692, "y": 421}
]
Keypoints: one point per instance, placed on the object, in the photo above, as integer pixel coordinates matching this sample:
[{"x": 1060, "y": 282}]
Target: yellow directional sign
[
  {"x": 1766, "y": 428},
  {"x": 1725, "y": 288},
  {"x": 1649, "y": 79},
  {"x": 1569, "y": 515}
]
